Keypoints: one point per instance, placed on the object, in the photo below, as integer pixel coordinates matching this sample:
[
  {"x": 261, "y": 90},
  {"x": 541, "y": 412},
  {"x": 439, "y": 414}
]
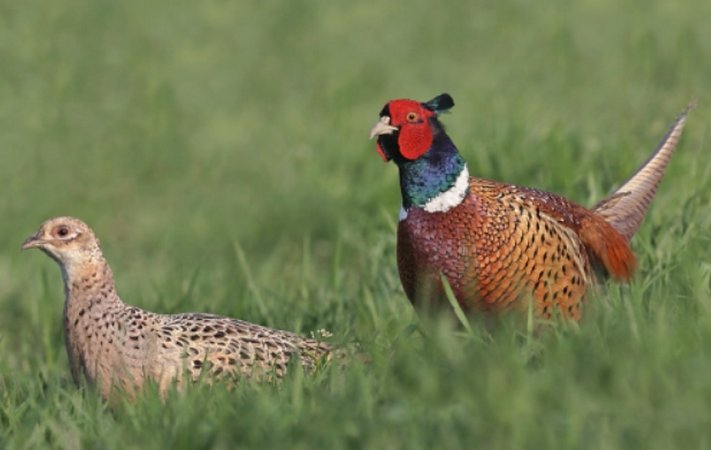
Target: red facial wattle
[
  {"x": 381, "y": 151},
  {"x": 406, "y": 129},
  {"x": 414, "y": 140},
  {"x": 415, "y": 134}
]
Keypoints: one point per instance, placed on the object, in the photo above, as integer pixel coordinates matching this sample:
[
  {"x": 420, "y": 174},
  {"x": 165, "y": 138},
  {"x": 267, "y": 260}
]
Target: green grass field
[{"x": 220, "y": 152}]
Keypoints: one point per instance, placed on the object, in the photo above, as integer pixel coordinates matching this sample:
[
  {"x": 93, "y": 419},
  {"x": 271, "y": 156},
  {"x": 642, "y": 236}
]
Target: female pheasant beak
[
  {"x": 382, "y": 127},
  {"x": 32, "y": 242}
]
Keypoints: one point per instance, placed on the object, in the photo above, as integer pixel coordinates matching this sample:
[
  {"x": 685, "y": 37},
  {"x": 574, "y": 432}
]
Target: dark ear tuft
[{"x": 440, "y": 104}]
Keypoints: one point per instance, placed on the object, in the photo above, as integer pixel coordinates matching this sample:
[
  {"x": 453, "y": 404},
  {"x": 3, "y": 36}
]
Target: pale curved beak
[
  {"x": 381, "y": 127},
  {"x": 32, "y": 242}
]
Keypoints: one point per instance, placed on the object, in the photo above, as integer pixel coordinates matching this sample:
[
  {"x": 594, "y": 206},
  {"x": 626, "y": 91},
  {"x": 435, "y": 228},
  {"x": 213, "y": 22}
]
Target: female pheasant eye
[
  {"x": 411, "y": 117},
  {"x": 62, "y": 231}
]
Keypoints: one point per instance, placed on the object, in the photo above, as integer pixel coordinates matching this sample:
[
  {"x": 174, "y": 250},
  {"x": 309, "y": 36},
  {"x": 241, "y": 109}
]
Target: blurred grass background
[{"x": 219, "y": 150}]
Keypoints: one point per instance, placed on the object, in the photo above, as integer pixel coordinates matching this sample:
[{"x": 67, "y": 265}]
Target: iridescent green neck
[{"x": 437, "y": 180}]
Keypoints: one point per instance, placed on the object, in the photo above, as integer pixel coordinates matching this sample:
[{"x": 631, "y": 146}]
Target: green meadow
[{"x": 219, "y": 150}]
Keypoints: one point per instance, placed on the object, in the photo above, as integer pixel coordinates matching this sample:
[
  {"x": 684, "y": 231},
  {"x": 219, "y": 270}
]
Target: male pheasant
[
  {"x": 117, "y": 345},
  {"x": 498, "y": 244}
]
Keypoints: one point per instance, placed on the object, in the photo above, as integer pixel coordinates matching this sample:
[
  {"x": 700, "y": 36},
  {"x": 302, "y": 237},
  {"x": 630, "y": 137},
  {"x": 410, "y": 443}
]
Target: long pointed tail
[{"x": 625, "y": 208}]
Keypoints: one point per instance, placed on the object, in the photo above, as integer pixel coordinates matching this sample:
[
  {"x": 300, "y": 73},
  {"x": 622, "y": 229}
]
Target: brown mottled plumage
[
  {"x": 497, "y": 243},
  {"x": 117, "y": 345}
]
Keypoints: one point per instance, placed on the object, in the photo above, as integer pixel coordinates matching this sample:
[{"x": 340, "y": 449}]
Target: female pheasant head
[{"x": 67, "y": 240}]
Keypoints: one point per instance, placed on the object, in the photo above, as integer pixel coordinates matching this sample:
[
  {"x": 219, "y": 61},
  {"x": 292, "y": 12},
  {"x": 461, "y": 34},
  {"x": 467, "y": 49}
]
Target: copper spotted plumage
[{"x": 499, "y": 244}]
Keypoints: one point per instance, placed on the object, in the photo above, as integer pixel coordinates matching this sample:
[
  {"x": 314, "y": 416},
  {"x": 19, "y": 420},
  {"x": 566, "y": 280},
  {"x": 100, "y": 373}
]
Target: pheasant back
[{"x": 504, "y": 244}]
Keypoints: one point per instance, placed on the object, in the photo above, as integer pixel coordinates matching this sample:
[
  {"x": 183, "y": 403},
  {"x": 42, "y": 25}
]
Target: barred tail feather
[{"x": 626, "y": 207}]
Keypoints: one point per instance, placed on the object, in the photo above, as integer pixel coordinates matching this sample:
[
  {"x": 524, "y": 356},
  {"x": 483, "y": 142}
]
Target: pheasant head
[
  {"x": 69, "y": 241},
  {"x": 433, "y": 175},
  {"x": 406, "y": 128}
]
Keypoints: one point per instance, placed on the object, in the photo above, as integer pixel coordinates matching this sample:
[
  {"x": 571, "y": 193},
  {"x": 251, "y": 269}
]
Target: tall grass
[{"x": 219, "y": 151}]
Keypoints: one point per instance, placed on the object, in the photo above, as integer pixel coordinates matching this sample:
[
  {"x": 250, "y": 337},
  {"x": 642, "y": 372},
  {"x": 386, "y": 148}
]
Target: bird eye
[
  {"x": 62, "y": 231},
  {"x": 411, "y": 117}
]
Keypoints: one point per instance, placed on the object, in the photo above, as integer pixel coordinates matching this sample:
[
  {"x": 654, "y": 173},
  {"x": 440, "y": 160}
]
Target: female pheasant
[
  {"x": 496, "y": 243},
  {"x": 117, "y": 345}
]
